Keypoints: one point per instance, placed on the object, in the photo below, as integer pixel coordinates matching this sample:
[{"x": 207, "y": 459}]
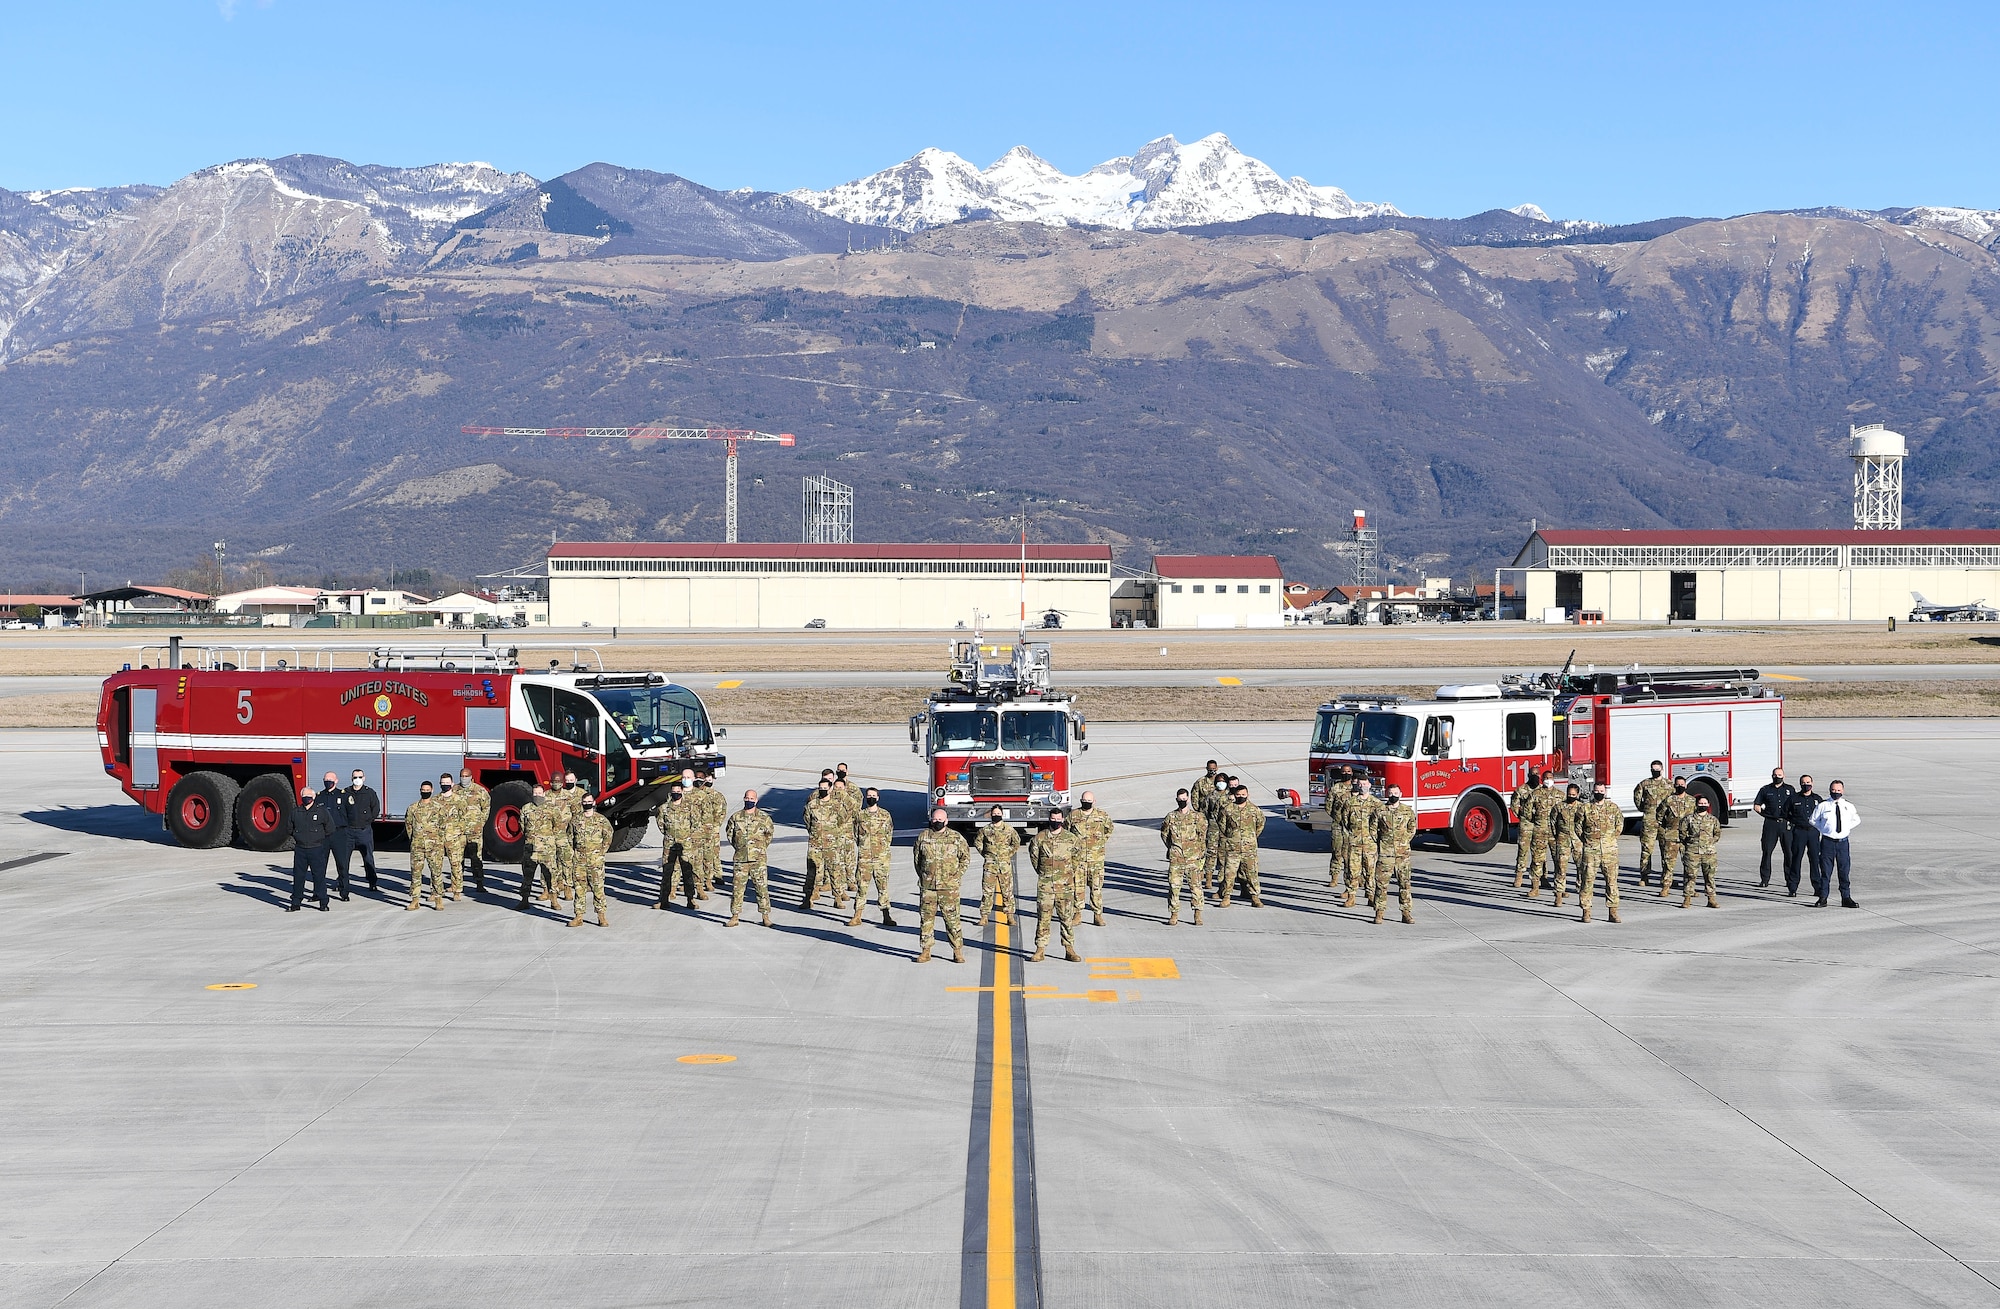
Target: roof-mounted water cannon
[{"x": 999, "y": 669}]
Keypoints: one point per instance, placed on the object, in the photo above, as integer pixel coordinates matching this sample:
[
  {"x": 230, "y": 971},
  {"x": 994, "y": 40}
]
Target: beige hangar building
[
  {"x": 1755, "y": 576},
  {"x": 919, "y": 587}
]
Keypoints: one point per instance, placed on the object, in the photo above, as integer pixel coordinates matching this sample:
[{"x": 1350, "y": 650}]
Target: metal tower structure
[
  {"x": 829, "y": 512},
  {"x": 1878, "y": 477},
  {"x": 728, "y": 435},
  {"x": 1366, "y": 547}
]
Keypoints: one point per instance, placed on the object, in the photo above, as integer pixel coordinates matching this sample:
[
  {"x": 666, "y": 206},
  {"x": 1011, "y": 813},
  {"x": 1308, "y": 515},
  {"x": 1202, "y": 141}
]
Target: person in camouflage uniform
[
  {"x": 1243, "y": 824},
  {"x": 1698, "y": 836},
  {"x": 711, "y": 812},
  {"x": 1522, "y": 802},
  {"x": 1185, "y": 834},
  {"x": 1339, "y": 790},
  {"x": 1203, "y": 789},
  {"x": 827, "y": 824},
  {"x": 1094, "y": 828},
  {"x": 1546, "y": 802},
  {"x": 997, "y": 843},
  {"x": 1055, "y": 852},
  {"x": 940, "y": 856},
  {"x": 841, "y": 860},
  {"x": 570, "y": 801},
  {"x": 1647, "y": 797},
  {"x": 473, "y": 805},
  {"x": 1603, "y": 820},
  {"x": 1361, "y": 811},
  {"x": 539, "y": 822},
  {"x": 1218, "y": 800},
  {"x": 874, "y": 833},
  {"x": 750, "y": 834},
  {"x": 1565, "y": 843},
  {"x": 593, "y": 841},
  {"x": 1395, "y": 828},
  {"x": 1677, "y": 809},
  {"x": 425, "y": 822},
  {"x": 678, "y": 829}
]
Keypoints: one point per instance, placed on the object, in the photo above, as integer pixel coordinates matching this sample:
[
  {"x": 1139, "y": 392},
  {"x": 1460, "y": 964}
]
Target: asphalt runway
[{"x": 1761, "y": 1105}]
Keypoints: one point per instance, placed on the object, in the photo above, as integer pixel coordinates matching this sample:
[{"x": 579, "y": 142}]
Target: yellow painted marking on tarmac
[
  {"x": 1095, "y": 997},
  {"x": 1000, "y": 1288},
  {"x": 230, "y": 986},
  {"x": 728, "y": 686},
  {"x": 707, "y": 1059},
  {"x": 1229, "y": 681},
  {"x": 1118, "y": 969}
]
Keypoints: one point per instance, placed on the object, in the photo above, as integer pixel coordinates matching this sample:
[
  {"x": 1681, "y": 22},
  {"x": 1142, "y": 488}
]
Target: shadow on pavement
[{"x": 124, "y": 822}]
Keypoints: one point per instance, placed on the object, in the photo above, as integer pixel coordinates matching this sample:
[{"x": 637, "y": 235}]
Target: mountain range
[{"x": 1179, "y": 350}]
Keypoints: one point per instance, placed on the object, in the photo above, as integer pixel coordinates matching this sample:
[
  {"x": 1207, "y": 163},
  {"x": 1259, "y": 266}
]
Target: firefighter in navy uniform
[{"x": 1774, "y": 805}]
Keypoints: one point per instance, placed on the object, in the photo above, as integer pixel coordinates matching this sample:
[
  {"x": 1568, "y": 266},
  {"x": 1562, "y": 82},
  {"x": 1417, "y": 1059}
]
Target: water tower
[{"x": 1878, "y": 477}]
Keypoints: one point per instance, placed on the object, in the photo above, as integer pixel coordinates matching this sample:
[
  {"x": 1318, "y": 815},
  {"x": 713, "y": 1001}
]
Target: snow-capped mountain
[
  {"x": 1166, "y": 184},
  {"x": 1981, "y": 225}
]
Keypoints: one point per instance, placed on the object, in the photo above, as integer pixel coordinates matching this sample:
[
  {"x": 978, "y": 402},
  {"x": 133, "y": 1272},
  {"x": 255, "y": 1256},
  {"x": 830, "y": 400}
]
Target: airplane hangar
[{"x": 1755, "y": 576}]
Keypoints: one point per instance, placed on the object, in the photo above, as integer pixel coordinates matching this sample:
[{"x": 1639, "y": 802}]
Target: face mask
[
  {"x": 868, "y": 803},
  {"x": 749, "y": 804},
  {"x": 936, "y": 826},
  {"x": 824, "y": 793},
  {"x": 1391, "y": 799},
  {"x": 1181, "y": 800},
  {"x": 1656, "y": 772},
  {"x": 1679, "y": 789},
  {"x": 1090, "y": 804},
  {"x": 423, "y": 795},
  {"x": 358, "y": 783}
]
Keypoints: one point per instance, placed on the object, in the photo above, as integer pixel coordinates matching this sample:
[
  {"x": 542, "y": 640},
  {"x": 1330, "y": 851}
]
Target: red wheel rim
[
  {"x": 1478, "y": 823},
  {"x": 194, "y": 812},
  {"x": 264, "y": 815},
  {"x": 507, "y": 823}
]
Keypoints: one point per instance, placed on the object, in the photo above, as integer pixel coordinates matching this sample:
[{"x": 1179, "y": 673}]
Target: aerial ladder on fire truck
[{"x": 729, "y": 436}]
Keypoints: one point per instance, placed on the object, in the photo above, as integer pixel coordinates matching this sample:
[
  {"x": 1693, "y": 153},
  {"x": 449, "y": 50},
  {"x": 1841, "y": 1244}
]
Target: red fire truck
[
  {"x": 1459, "y": 756},
  {"x": 218, "y": 740},
  {"x": 997, "y": 735}
]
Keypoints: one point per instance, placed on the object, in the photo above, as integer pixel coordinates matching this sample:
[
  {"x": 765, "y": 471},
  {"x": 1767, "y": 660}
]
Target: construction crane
[{"x": 728, "y": 435}]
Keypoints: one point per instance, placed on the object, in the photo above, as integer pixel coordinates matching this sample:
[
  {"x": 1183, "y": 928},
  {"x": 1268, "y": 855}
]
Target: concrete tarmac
[{"x": 1761, "y": 1105}]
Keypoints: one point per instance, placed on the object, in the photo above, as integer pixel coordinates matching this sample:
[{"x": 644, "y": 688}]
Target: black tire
[
  {"x": 1716, "y": 805},
  {"x": 506, "y": 838},
  {"x": 264, "y": 813},
  {"x": 1478, "y": 825},
  {"x": 628, "y": 838},
  {"x": 201, "y": 810}
]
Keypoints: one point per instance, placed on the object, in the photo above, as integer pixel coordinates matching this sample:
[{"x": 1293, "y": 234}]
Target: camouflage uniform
[
  {"x": 1603, "y": 820},
  {"x": 1056, "y": 853},
  {"x": 471, "y": 805},
  {"x": 874, "y": 833},
  {"x": 1339, "y": 790},
  {"x": 593, "y": 840},
  {"x": 570, "y": 801},
  {"x": 1394, "y": 830},
  {"x": 750, "y": 835},
  {"x": 1094, "y": 828},
  {"x": 1677, "y": 809},
  {"x": 711, "y": 812},
  {"x": 1185, "y": 834},
  {"x": 1360, "y": 813},
  {"x": 540, "y": 822},
  {"x": 940, "y": 858},
  {"x": 1522, "y": 802},
  {"x": 997, "y": 844},
  {"x": 845, "y": 861},
  {"x": 1544, "y": 804},
  {"x": 1647, "y": 797},
  {"x": 1212, "y": 809},
  {"x": 1242, "y": 824},
  {"x": 827, "y": 824},
  {"x": 1698, "y": 834},
  {"x": 425, "y": 823},
  {"x": 679, "y": 828},
  {"x": 1566, "y": 845}
]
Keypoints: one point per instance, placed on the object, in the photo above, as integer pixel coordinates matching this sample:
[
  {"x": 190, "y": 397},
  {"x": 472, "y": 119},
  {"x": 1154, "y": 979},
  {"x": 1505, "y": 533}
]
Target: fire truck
[
  {"x": 997, "y": 735},
  {"x": 219, "y": 740},
  {"x": 1458, "y": 757}
]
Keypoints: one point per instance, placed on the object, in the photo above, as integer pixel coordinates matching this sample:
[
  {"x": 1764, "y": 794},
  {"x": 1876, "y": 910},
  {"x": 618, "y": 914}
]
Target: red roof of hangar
[
  {"x": 1838, "y": 536},
  {"x": 1217, "y": 566},
  {"x": 789, "y": 550}
]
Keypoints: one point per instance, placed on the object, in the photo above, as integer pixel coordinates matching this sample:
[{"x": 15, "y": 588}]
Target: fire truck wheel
[
  {"x": 1477, "y": 826},
  {"x": 201, "y": 809},
  {"x": 628, "y": 838},
  {"x": 506, "y": 837},
  {"x": 264, "y": 813},
  {"x": 1715, "y": 802}
]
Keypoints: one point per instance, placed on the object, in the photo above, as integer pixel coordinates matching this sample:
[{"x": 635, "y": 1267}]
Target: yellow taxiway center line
[
  {"x": 1229, "y": 681},
  {"x": 728, "y": 686},
  {"x": 1000, "y": 1290}
]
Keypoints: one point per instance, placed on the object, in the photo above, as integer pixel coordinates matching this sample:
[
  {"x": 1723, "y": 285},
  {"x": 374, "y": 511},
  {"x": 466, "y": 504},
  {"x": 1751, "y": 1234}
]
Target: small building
[
  {"x": 149, "y": 604},
  {"x": 874, "y": 586},
  {"x": 370, "y": 601},
  {"x": 47, "y": 609},
  {"x": 474, "y": 609},
  {"x": 1220, "y": 591},
  {"x": 275, "y": 606},
  {"x": 1755, "y": 576}
]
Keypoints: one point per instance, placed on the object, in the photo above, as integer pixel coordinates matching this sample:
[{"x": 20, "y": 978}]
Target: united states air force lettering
[{"x": 383, "y": 706}]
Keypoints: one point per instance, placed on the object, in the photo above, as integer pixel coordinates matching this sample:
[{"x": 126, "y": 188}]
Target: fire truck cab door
[{"x": 141, "y": 724}]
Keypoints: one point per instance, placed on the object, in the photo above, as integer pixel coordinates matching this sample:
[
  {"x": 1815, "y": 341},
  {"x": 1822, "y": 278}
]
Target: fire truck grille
[{"x": 1000, "y": 779}]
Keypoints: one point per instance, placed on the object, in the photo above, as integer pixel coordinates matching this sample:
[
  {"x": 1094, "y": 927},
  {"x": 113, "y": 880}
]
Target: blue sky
[{"x": 1615, "y": 112}]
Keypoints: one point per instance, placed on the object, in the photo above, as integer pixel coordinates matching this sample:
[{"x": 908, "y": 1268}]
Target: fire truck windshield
[
  {"x": 651, "y": 717},
  {"x": 1034, "y": 729},
  {"x": 1364, "y": 732},
  {"x": 965, "y": 729}
]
